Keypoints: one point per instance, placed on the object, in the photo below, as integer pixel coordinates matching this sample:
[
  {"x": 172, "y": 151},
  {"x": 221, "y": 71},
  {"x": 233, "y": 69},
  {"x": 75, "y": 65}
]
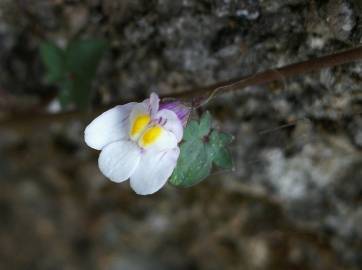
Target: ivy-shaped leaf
[
  {"x": 193, "y": 165},
  {"x": 53, "y": 59},
  {"x": 83, "y": 56},
  {"x": 217, "y": 148},
  {"x": 201, "y": 147},
  {"x": 191, "y": 132},
  {"x": 73, "y": 68},
  {"x": 205, "y": 124}
]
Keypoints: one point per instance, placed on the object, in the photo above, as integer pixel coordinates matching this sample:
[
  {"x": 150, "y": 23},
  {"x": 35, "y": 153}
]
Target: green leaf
[
  {"x": 75, "y": 90},
  {"x": 220, "y": 138},
  {"x": 81, "y": 93},
  {"x": 65, "y": 95},
  {"x": 205, "y": 124},
  {"x": 217, "y": 148},
  {"x": 83, "y": 57},
  {"x": 191, "y": 131},
  {"x": 223, "y": 159},
  {"x": 73, "y": 68},
  {"x": 220, "y": 156},
  {"x": 198, "y": 130},
  {"x": 193, "y": 166},
  {"x": 200, "y": 148},
  {"x": 53, "y": 59}
]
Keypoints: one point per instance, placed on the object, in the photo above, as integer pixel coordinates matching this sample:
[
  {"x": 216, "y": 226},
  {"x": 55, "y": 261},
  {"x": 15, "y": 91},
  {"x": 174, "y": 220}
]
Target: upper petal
[
  {"x": 154, "y": 170},
  {"x": 180, "y": 109},
  {"x": 119, "y": 160},
  {"x": 170, "y": 122},
  {"x": 110, "y": 126},
  {"x": 154, "y": 102}
]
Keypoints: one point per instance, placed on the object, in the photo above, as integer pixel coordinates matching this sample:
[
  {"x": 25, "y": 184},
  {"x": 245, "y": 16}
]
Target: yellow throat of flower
[
  {"x": 145, "y": 133},
  {"x": 138, "y": 125},
  {"x": 150, "y": 136}
]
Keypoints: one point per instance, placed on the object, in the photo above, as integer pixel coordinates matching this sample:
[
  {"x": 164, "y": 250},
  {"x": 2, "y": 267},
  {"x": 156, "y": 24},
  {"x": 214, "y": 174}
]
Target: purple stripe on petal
[{"x": 182, "y": 111}]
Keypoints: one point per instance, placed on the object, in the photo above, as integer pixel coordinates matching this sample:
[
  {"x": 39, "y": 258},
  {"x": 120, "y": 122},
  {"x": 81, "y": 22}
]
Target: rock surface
[{"x": 294, "y": 199}]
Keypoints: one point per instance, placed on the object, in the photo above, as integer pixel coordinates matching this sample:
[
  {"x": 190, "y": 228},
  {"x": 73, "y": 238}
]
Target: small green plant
[
  {"x": 73, "y": 69},
  {"x": 201, "y": 147}
]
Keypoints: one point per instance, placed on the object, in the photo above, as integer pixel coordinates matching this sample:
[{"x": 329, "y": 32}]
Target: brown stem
[
  {"x": 21, "y": 121},
  {"x": 279, "y": 73}
]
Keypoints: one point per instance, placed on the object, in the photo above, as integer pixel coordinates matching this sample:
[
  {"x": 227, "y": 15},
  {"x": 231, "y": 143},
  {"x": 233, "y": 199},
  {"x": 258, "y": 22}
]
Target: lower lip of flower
[{"x": 150, "y": 136}]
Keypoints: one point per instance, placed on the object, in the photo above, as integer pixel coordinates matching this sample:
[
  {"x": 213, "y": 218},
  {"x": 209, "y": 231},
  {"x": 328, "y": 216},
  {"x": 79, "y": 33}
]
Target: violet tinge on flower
[{"x": 139, "y": 141}]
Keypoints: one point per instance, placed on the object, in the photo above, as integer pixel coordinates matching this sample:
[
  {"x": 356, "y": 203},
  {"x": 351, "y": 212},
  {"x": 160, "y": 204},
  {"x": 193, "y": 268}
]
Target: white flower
[{"x": 138, "y": 141}]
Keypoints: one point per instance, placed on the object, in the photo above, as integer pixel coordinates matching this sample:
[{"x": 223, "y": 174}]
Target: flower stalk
[
  {"x": 277, "y": 74},
  {"x": 202, "y": 95}
]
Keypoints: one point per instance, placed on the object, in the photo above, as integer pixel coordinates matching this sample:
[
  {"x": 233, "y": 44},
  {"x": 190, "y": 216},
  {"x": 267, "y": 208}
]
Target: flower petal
[
  {"x": 119, "y": 160},
  {"x": 139, "y": 111},
  {"x": 171, "y": 122},
  {"x": 110, "y": 126},
  {"x": 180, "y": 109},
  {"x": 164, "y": 140},
  {"x": 154, "y": 170},
  {"x": 154, "y": 102}
]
